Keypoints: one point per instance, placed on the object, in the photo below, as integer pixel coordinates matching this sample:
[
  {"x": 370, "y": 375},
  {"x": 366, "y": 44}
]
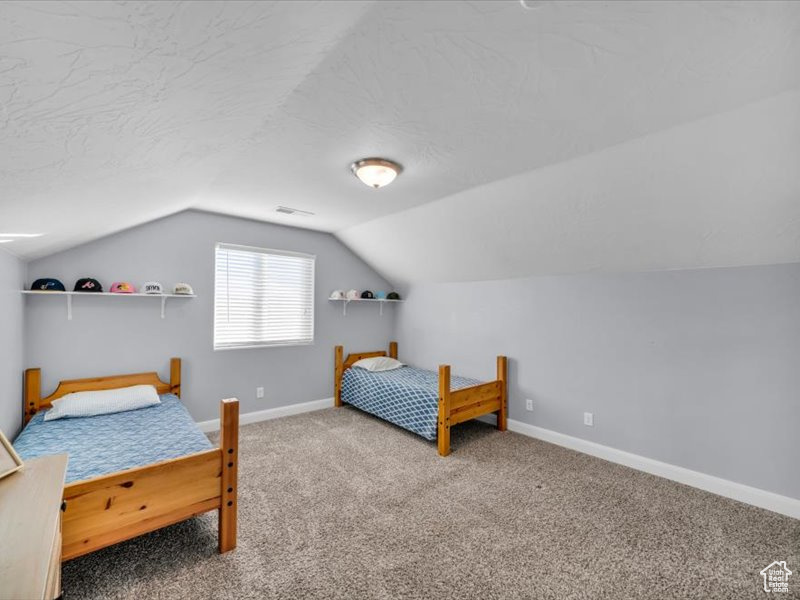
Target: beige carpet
[{"x": 337, "y": 504}]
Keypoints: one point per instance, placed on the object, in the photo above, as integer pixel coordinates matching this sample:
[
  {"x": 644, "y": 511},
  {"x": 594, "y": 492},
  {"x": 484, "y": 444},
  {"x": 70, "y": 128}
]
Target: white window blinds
[{"x": 262, "y": 297}]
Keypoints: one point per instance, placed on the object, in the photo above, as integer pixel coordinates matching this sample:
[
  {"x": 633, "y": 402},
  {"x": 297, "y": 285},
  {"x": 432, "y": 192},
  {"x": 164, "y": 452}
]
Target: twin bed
[
  {"x": 421, "y": 401},
  {"x": 136, "y": 471}
]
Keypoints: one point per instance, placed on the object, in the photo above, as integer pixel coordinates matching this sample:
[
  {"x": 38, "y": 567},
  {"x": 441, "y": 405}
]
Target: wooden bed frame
[
  {"x": 108, "y": 509},
  {"x": 454, "y": 406}
]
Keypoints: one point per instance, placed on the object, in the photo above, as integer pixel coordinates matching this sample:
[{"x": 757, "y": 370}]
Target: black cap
[
  {"x": 48, "y": 285},
  {"x": 87, "y": 284},
  {"x": 367, "y": 295},
  {"x": 393, "y": 296}
]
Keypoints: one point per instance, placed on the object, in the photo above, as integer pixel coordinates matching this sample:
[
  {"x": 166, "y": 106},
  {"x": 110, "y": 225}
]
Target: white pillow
[
  {"x": 103, "y": 402},
  {"x": 378, "y": 363}
]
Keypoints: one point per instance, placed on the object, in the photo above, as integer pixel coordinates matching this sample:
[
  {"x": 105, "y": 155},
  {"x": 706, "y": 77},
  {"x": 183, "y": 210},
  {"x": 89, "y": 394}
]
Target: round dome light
[{"x": 376, "y": 172}]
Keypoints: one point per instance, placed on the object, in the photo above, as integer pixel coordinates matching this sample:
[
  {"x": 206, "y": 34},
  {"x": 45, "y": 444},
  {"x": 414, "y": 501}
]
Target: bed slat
[
  {"x": 475, "y": 410},
  {"x": 468, "y": 396},
  {"x": 354, "y": 358}
]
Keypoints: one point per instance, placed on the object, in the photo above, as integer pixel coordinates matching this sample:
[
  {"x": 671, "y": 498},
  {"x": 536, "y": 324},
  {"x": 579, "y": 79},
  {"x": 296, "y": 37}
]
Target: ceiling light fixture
[{"x": 376, "y": 172}]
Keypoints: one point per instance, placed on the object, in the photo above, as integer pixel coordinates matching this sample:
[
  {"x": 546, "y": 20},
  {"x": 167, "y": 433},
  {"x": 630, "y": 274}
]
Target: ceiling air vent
[{"x": 293, "y": 211}]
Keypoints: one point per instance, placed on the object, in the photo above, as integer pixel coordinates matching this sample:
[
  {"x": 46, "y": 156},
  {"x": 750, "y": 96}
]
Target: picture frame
[{"x": 10, "y": 462}]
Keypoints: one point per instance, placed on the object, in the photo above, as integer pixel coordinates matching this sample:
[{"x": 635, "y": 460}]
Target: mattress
[
  {"x": 108, "y": 443},
  {"x": 408, "y": 397}
]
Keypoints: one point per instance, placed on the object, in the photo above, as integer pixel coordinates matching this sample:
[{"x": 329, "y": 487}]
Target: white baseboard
[
  {"x": 270, "y": 413},
  {"x": 716, "y": 485},
  {"x": 722, "y": 487}
]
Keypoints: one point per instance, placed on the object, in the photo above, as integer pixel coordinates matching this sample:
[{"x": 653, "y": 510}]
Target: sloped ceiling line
[{"x": 719, "y": 192}]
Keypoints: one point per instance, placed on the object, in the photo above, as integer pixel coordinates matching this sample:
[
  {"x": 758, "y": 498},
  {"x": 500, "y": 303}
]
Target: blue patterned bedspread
[
  {"x": 108, "y": 443},
  {"x": 408, "y": 397}
]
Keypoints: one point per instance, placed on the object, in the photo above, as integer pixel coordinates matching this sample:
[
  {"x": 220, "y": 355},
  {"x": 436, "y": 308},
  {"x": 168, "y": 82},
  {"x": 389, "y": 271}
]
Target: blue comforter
[
  {"x": 408, "y": 397},
  {"x": 108, "y": 443}
]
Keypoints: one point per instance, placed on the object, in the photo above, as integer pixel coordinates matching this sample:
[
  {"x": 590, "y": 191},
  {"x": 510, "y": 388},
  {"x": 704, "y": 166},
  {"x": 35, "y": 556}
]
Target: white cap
[
  {"x": 183, "y": 289},
  {"x": 352, "y": 295},
  {"x": 152, "y": 287},
  {"x": 336, "y": 295}
]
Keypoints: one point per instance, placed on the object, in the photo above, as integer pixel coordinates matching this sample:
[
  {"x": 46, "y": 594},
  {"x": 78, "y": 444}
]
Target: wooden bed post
[
  {"x": 502, "y": 376},
  {"x": 229, "y": 447},
  {"x": 443, "y": 430},
  {"x": 393, "y": 350},
  {"x": 338, "y": 370},
  {"x": 175, "y": 376},
  {"x": 33, "y": 393}
]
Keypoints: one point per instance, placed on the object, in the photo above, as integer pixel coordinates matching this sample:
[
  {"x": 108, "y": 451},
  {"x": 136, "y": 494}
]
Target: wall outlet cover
[
  {"x": 528, "y": 404},
  {"x": 588, "y": 419},
  {"x": 259, "y": 392}
]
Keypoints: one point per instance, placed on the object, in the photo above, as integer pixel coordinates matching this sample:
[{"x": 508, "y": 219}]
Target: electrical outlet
[
  {"x": 259, "y": 392},
  {"x": 528, "y": 404},
  {"x": 588, "y": 419}
]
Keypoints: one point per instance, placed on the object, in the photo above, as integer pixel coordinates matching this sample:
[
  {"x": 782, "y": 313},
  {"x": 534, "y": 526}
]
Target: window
[{"x": 262, "y": 297}]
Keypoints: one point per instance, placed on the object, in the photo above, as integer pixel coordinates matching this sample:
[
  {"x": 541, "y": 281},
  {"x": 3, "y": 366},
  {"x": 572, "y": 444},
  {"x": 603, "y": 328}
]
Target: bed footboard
[
  {"x": 471, "y": 402},
  {"x": 112, "y": 508}
]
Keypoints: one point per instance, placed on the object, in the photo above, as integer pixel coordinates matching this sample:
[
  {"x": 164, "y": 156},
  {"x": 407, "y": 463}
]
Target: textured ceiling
[{"x": 115, "y": 114}]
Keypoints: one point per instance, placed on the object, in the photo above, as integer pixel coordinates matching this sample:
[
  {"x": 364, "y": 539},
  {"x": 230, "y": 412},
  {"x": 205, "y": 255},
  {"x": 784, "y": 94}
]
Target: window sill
[{"x": 290, "y": 345}]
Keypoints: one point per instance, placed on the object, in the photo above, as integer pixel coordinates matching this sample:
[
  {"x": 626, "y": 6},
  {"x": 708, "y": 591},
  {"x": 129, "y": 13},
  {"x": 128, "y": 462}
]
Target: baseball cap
[
  {"x": 183, "y": 289},
  {"x": 87, "y": 284},
  {"x": 152, "y": 287},
  {"x": 122, "y": 287},
  {"x": 48, "y": 284}
]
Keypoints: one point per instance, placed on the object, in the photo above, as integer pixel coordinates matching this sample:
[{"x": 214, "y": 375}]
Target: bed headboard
[
  {"x": 33, "y": 401},
  {"x": 341, "y": 364}
]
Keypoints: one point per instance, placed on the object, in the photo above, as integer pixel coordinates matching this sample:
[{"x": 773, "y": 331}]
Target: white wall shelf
[
  {"x": 69, "y": 295},
  {"x": 380, "y": 301}
]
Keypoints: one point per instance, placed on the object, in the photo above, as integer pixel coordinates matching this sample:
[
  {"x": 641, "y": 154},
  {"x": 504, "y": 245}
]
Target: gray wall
[
  {"x": 109, "y": 335},
  {"x": 695, "y": 368},
  {"x": 12, "y": 278}
]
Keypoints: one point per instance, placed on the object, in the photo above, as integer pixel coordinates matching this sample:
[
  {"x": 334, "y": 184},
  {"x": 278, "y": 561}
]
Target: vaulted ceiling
[{"x": 567, "y": 137}]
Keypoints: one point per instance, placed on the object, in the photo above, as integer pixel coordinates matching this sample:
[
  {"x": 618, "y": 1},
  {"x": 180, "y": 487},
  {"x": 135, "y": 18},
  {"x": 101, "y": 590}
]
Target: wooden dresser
[{"x": 30, "y": 530}]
